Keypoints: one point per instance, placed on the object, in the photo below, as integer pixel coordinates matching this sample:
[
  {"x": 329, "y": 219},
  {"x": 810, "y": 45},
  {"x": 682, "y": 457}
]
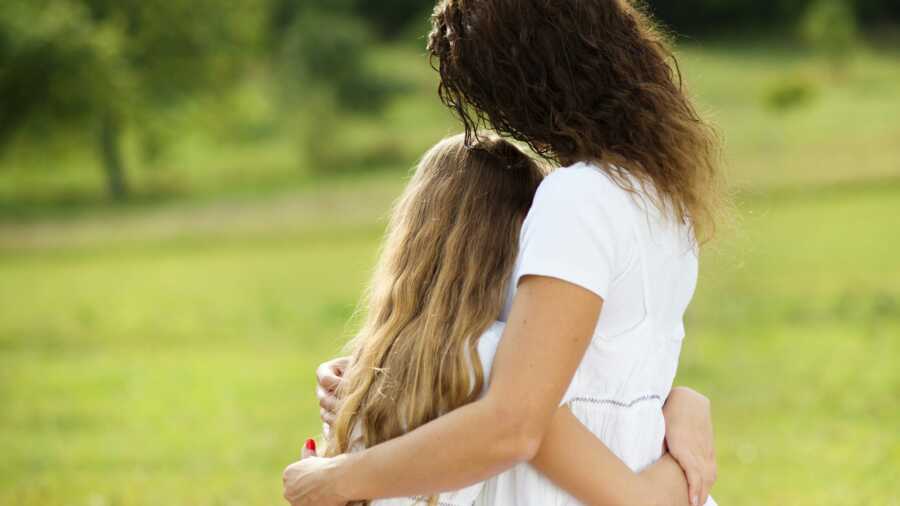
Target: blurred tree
[
  {"x": 877, "y": 12},
  {"x": 831, "y": 27},
  {"x": 102, "y": 63},
  {"x": 391, "y": 17},
  {"x": 320, "y": 50},
  {"x": 790, "y": 92},
  {"x": 702, "y": 17}
]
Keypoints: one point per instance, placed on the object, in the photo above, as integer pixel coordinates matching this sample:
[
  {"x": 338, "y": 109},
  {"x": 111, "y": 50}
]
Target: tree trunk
[{"x": 111, "y": 153}]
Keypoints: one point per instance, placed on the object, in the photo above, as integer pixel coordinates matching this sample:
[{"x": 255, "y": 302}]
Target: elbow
[
  {"x": 527, "y": 445},
  {"x": 518, "y": 437}
]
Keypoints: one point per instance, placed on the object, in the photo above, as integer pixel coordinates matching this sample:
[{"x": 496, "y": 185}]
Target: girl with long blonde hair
[{"x": 439, "y": 284}]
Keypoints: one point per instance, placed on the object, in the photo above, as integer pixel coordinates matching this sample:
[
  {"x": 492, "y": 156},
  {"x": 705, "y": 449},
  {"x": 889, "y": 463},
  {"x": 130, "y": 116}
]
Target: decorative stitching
[
  {"x": 613, "y": 402},
  {"x": 420, "y": 499}
]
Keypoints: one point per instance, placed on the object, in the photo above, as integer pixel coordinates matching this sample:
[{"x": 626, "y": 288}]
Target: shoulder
[
  {"x": 582, "y": 189},
  {"x": 578, "y": 178},
  {"x": 579, "y": 229}
]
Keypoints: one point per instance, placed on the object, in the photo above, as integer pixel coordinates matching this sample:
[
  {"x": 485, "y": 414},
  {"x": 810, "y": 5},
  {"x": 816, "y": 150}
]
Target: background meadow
[{"x": 158, "y": 341}]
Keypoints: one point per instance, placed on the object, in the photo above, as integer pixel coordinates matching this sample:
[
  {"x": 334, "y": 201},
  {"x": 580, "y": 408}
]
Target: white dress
[{"x": 585, "y": 229}]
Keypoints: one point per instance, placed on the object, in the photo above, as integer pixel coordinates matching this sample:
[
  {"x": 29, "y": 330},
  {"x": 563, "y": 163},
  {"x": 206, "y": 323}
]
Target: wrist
[
  {"x": 340, "y": 474},
  {"x": 689, "y": 395},
  {"x": 653, "y": 491},
  {"x": 665, "y": 482}
]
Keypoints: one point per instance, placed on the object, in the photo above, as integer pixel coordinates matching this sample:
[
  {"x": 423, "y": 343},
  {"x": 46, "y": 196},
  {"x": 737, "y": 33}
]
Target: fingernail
[
  {"x": 695, "y": 501},
  {"x": 311, "y": 446}
]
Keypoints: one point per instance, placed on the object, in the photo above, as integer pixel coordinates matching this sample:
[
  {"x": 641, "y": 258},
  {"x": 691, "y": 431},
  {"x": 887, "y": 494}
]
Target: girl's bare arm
[{"x": 578, "y": 462}]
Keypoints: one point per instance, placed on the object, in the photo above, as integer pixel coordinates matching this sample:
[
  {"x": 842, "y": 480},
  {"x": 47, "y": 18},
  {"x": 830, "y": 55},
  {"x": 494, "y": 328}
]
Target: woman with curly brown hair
[{"x": 607, "y": 264}]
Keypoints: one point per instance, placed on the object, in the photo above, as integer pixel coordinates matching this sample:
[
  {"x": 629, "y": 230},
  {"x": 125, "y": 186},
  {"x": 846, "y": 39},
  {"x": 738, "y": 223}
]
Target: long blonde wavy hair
[{"x": 440, "y": 282}]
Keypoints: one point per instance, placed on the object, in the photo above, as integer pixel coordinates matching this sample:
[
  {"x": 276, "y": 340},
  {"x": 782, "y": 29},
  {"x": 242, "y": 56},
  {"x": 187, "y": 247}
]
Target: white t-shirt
[{"x": 585, "y": 229}]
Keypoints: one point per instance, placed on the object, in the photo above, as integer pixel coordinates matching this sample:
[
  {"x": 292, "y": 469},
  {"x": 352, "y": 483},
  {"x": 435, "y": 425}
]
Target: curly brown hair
[{"x": 581, "y": 80}]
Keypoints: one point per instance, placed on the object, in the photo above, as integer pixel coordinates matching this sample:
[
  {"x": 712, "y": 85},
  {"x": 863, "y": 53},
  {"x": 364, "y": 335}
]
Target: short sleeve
[{"x": 574, "y": 231}]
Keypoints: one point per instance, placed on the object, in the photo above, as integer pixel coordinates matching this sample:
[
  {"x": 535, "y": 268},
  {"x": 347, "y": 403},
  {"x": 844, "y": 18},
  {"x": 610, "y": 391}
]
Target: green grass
[
  {"x": 164, "y": 353},
  {"x": 847, "y": 132},
  {"x": 179, "y": 370},
  {"x": 796, "y": 336}
]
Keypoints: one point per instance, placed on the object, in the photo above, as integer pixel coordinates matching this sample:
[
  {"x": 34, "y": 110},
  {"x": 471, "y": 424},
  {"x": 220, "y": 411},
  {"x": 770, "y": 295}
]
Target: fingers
[
  {"x": 291, "y": 493},
  {"x": 285, "y": 479},
  {"x": 325, "y": 392},
  {"x": 695, "y": 485},
  {"x": 330, "y": 373},
  {"x": 692, "y": 471},
  {"x": 339, "y": 365},
  {"x": 328, "y": 417},
  {"x": 713, "y": 466},
  {"x": 701, "y": 476},
  {"x": 327, "y": 378},
  {"x": 309, "y": 449},
  {"x": 703, "y": 493},
  {"x": 710, "y": 475},
  {"x": 291, "y": 498},
  {"x": 327, "y": 400}
]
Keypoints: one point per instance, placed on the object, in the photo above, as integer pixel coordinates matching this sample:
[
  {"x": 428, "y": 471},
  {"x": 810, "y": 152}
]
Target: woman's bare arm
[
  {"x": 574, "y": 459},
  {"x": 578, "y": 462},
  {"x": 548, "y": 331},
  {"x": 547, "y": 334}
]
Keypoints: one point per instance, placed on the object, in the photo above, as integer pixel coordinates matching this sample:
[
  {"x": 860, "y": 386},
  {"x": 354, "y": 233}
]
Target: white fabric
[{"x": 585, "y": 229}]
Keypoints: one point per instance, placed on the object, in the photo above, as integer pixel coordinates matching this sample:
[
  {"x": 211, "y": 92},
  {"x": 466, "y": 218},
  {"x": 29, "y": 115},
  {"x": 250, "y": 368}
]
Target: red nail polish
[{"x": 311, "y": 445}]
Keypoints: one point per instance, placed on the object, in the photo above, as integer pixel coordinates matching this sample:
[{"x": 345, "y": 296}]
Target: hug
[{"x": 525, "y": 320}]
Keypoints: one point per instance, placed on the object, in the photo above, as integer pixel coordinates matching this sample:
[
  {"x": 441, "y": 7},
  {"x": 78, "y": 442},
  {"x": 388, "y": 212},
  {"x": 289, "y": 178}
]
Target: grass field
[{"x": 164, "y": 354}]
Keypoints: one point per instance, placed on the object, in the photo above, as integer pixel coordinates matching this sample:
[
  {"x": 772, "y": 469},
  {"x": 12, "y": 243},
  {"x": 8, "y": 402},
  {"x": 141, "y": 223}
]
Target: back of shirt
[{"x": 586, "y": 229}]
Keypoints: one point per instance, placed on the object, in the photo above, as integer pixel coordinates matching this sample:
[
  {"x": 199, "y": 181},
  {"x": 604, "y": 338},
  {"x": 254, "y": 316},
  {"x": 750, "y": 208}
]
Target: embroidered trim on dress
[
  {"x": 424, "y": 500},
  {"x": 613, "y": 402}
]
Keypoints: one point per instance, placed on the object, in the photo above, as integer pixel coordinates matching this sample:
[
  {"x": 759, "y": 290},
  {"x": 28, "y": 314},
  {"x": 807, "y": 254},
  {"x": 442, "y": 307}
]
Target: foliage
[
  {"x": 321, "y": 65},
  {"x": 119, "y": 77},
  {"x": 831, "y": 27},
  {"x": 55, "y": 64},
  {"x": 790, "y": 93},
  {"x": 390, "y": 17},
  {"x": 245, "y": 145},
  {"x": 115, "y": 66},
  {"x": 703, "y": 17},
  {"x": 97, "y": 64},
  {"x": 690, "y": 17},
  {"x": 326, "y": 52}
]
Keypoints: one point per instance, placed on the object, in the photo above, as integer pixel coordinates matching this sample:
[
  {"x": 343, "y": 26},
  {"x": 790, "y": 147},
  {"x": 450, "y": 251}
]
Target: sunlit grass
[{"x": 180, "y": 371}]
